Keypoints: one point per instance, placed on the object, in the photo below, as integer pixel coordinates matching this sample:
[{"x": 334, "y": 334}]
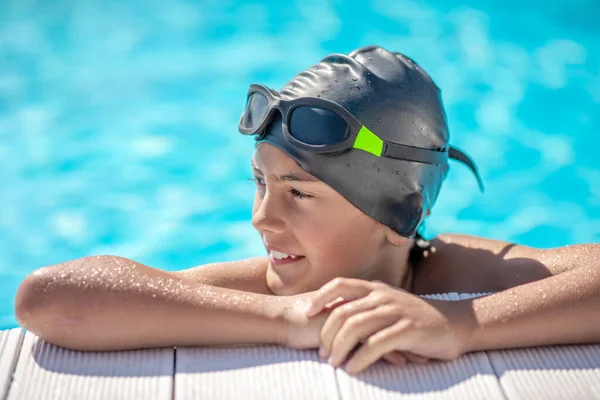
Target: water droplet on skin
[
  {"x": 378, "y": 119},
  {"x": 369, "y": 82},
  {"x": 355, "y": 79}
]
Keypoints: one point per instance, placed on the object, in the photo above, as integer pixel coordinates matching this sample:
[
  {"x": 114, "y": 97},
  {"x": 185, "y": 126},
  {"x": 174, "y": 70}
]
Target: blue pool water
[{"x": 118, "y": 120}]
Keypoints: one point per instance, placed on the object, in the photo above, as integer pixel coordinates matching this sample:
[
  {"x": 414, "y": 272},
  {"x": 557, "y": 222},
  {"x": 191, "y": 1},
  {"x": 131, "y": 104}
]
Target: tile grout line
[
  {"x": 487, "y": 356},
  {"x": 15, "y": 362},
  {"x": 174, "y": 373},
  {"x": 337, "y": 383}
]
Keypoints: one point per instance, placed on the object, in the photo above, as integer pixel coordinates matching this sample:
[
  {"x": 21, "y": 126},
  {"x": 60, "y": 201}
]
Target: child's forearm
[
  {"x": 111, "y": 303},
  {"x": 557, "y": 310}
]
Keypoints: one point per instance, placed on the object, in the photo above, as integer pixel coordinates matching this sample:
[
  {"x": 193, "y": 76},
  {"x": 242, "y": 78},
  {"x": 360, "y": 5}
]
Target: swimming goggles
[{"x": 318, "y": 125}]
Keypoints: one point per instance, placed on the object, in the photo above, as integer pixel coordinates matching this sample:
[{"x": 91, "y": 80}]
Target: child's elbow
[
  {"x": 40, "y": 310},
  {"x": 30, "y": 300}
]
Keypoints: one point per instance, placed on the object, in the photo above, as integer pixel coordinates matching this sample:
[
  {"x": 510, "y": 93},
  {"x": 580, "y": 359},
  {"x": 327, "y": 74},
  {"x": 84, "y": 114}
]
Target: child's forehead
[
  {"x": 270, "y": 157},
  {"x": 281, "y": 169}
]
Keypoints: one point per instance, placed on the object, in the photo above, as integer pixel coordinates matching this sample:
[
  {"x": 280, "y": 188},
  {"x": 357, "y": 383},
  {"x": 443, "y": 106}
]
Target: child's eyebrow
[{"x": 292, "y": 176}]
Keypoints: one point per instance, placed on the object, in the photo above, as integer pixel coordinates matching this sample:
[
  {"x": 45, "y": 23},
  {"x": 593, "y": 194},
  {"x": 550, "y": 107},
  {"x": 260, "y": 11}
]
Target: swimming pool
[{"x": 118, "y": 122}]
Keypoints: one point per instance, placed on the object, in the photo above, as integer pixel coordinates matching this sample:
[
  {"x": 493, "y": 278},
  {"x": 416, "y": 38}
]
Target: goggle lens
[
  {"x": 256, "y": 107},
  {"x": 317, "y": 126}
]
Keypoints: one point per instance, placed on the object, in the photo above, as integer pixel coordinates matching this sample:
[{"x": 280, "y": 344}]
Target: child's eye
[
  {"x": 299, "y": 194},
  {"x": 296, "y": 193},
  {"x": 257, "y": 180}
]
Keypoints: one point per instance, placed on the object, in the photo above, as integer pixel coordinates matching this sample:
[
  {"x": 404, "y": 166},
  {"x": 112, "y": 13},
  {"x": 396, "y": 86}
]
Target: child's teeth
[{"x": 279, "y": 255}]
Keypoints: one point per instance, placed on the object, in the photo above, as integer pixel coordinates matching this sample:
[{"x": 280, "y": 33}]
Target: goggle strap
[
  {"x": 458, "y": 155},
  {"x": 417, "y": 154}
]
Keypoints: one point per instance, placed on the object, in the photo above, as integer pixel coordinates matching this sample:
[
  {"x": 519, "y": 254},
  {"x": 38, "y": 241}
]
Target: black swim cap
[{"x": 394, "y": 98}]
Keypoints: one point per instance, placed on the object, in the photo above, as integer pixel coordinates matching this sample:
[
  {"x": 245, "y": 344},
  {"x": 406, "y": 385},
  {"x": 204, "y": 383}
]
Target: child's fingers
[
  {"x": 395, "y": 357},
  {"x": 348, "y": 289},
  {"x": 402, "y": 357},
  {"x": 415, "y": 358},
  {"x": 335, "y": 303}
]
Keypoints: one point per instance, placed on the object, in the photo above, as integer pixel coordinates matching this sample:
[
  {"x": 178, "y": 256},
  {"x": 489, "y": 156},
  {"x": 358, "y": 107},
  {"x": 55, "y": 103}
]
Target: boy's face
[{"x": 335, "y": 237}]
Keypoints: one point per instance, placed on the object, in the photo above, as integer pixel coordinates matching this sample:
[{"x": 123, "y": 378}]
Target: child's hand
[
  {"x": 301, "y": 331},
  {"x": 387, "y": 320}
]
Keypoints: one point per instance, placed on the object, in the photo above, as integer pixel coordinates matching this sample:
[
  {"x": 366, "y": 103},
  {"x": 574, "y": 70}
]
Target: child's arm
[
  {"x": 560, "y": 309},
  {"x": 544, "y": 296},
  {"x": 112, "y": 303}
]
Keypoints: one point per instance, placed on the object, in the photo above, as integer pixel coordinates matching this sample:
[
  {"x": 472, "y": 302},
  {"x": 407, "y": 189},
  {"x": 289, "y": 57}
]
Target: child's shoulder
[{"x": 470, "y": 264}]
